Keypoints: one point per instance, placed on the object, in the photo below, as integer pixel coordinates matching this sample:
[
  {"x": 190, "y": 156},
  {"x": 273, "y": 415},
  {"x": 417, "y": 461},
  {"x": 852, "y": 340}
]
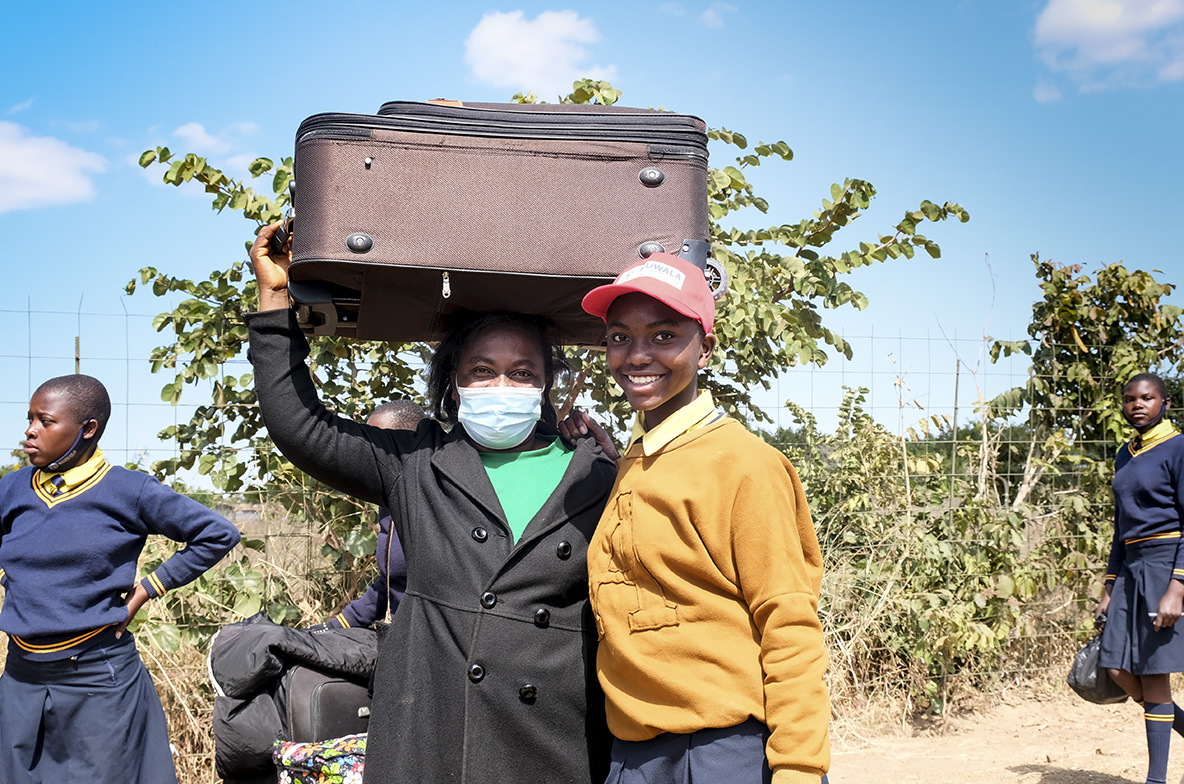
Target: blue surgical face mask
[
  {"x": 499, "y": 417},
  {"x": 56, "y": 465}
]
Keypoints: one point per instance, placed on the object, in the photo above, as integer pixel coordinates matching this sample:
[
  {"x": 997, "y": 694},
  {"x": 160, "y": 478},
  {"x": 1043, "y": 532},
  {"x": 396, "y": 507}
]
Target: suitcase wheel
[{"x": 717, "y": 278}]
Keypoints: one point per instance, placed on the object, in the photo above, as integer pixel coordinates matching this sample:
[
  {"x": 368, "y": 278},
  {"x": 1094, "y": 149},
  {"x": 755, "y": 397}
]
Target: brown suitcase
[{"x": 424, "y": 210}]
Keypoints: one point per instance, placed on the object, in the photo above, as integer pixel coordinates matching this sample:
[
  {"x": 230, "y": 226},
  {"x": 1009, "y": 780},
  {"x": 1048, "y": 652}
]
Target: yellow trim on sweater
[
  {"x": 1168, "y": 535},
  {"x": 57, "y": 646},
  {"x": 74, "y": 476},
  {"x": 157, "y": 584},
  {"x": 47, "y": 496},
  {"x": 1152, "y": 438}
]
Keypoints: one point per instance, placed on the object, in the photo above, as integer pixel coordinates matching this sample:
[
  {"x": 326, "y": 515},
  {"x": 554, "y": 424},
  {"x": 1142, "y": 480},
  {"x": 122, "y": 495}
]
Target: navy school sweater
[
  {"x": 1148, "y": 496},
  {"x": 371, "y": 606},
  {"x": 67, "y": 562}
]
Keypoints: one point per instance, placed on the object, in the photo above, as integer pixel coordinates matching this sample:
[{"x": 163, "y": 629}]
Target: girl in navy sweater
[
  {"x": 1144, "y": 584},
  {"x": 76, "y": 703}
]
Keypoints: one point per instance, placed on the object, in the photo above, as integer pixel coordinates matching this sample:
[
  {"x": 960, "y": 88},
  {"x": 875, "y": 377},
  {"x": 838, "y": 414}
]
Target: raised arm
[{"x": 339, "y": 452}]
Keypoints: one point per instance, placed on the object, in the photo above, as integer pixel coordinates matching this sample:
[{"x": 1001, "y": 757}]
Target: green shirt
[{"x": 524, "y": 481}]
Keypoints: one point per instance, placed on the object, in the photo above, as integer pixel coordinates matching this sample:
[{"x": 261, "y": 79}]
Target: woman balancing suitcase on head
[
  {"x": 488, "y": 672},
  {"x": 1142, "y": 644}
]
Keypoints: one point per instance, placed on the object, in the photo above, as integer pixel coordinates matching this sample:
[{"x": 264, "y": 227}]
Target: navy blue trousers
[
  {"x": 732, "y": 755},
  {"x": 95, "y": 718}
]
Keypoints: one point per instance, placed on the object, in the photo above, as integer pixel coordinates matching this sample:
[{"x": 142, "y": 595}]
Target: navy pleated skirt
[
  {"x": 94, "y": 718},
  {"x": 1129, "y": 641}
]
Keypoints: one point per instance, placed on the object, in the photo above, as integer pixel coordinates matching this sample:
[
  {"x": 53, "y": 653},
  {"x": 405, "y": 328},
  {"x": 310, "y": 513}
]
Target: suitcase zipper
[
  {"x": 445, "y": 286},
  {"x": 359, "y": 126}
]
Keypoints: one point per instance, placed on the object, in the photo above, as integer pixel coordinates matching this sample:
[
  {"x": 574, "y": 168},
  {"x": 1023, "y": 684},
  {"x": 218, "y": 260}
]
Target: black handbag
[{"x": 1091, "y": 681}]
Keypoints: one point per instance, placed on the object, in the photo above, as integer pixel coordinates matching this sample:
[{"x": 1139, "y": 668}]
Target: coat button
[
  {"x": 528, "y": 693},
  {"x": 488, "y": 599},
  {"x": 476, "y": 673},
  {"x": 480, "y": 534},
  {"x": 542, "y": 616},
  {"x": 563, "y": 550}
]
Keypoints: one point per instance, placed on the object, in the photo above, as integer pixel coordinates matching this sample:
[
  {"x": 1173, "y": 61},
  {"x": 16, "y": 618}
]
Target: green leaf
[
  {"x": 165, "y": 636},
  {"x": 247, "y": 604},
  {"x": 259, "y": 166}
]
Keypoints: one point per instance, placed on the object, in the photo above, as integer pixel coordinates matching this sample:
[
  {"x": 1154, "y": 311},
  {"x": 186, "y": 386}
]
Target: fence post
[{"x": 954, "y": 438}]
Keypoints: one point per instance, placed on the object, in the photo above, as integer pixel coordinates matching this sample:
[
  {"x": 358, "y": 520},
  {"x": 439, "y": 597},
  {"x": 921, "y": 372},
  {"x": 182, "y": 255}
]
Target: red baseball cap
[{"x": 670, "y": 280}]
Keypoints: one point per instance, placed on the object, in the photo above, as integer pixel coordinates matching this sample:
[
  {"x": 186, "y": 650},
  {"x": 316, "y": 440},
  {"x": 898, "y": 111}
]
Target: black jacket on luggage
[
  {"x": 248, "y": 662},
  {"x": 488, "y": 674}
]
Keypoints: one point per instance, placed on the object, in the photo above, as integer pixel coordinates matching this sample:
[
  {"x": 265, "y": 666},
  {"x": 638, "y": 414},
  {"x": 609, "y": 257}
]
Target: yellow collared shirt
[
  {"x": 74, "y": 476},
  {"x": 692, "y": 416},
  {"x": 1161, "y": 432}
]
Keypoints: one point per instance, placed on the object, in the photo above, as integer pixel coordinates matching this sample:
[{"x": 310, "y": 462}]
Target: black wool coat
[{"x": 488, "y": 673}]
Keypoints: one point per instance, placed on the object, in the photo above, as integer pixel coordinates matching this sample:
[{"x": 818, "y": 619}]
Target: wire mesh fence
[{"x": 917, "y": 509}]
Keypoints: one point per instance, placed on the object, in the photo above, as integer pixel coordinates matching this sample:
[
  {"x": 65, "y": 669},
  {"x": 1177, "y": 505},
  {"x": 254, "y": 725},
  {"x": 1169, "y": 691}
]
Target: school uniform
[
  {"x": 76, "y": 704},
  {"x": 387, "y": 590},
  {"x": 1146, "y": 553},
  {"x": 704, "y": 575}
]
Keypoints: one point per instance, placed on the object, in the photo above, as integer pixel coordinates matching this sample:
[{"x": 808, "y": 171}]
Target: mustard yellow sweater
[{"x": 704, "y": 576}]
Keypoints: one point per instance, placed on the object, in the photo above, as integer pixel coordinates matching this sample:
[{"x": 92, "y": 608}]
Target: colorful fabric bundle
[{"x": 337, "y": 761}]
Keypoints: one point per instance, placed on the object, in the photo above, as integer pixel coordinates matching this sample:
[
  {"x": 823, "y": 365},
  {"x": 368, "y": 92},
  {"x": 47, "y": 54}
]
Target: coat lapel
[{"x": 458, "y": 462}]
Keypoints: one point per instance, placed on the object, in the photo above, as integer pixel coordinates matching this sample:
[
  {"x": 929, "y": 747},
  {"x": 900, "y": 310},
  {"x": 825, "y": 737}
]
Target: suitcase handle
[
  {"x": 283, "y": 234},
  {"x": 696, "y": 252}
]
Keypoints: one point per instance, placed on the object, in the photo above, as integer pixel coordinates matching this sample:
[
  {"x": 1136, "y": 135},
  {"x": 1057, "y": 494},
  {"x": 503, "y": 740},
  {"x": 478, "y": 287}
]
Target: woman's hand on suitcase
[
  {"x": 1170, "y": 605},
  {"x": 271, "y": 270},
  {"x": 578, "y": 424}
]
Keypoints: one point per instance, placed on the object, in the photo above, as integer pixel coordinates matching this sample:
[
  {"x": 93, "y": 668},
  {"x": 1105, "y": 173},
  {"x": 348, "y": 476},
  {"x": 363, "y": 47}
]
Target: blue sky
[{"x": 1056, "y": 123}]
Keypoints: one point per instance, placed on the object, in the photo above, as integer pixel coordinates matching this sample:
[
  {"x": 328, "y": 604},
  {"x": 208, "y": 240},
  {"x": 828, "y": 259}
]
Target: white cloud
[
  {"x": 545, "y": 54},
  {"x": 1106, "y": 44},
  {"x": 1046, "y": 92},
  {"x": 227, "y": 150},
  {"x": 714, "y": 15},
  {"x": 239, "y": 163},
  {"x": 672, "y": 9},
  {"x": 198, "y": 140},
  {"x": 20, "y": 107},
  {"x": 40, "y": 171}
]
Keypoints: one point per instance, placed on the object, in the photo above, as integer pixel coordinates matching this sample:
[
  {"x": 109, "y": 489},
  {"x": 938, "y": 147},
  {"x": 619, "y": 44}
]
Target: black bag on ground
[
  {"x": 319, "y": 706},
  {"x": 280, "y": 683},
  {"x": 1091, "y": 681}
]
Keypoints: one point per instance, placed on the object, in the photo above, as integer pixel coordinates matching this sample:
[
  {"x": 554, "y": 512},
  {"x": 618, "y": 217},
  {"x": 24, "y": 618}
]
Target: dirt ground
[{"x": 1050, "y": 738}]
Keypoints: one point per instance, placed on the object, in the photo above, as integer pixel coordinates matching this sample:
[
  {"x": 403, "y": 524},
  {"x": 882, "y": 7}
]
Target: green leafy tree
[
  {"x": 925, "y": 578},
  {"x": 1087, "y": 338},
  {"x": 783, "y": 274}
]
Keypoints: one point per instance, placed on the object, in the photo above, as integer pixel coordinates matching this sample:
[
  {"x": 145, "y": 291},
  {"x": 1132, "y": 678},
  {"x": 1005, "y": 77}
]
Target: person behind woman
[
  {"x": 1144, "y": 584},
  {"x": 488, "y": 672},
  {"x": 387, "y": 591}
]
